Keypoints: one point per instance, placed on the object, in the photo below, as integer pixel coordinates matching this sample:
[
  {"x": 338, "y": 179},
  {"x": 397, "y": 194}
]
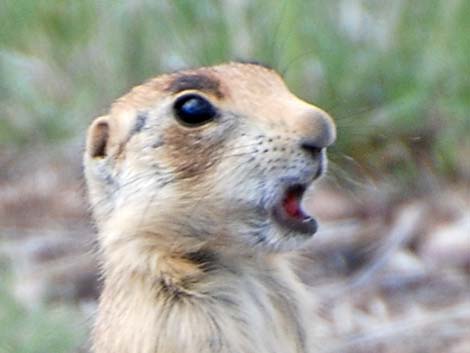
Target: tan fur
[{"x": 191, "y": 259}]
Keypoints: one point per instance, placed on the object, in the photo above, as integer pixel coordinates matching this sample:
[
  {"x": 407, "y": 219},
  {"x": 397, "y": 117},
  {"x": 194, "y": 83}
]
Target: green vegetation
[
  {"x": 395, "y": 74},
  {"x": 47, "y": 329}
]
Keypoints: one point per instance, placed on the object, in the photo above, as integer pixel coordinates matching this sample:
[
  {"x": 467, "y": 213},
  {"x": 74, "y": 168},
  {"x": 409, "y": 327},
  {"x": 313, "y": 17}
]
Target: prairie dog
[{"x": 196, "y": 180}]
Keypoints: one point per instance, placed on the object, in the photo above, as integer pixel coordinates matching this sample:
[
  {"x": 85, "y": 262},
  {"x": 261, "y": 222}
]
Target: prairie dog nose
[{"x": 317, "y": 130}]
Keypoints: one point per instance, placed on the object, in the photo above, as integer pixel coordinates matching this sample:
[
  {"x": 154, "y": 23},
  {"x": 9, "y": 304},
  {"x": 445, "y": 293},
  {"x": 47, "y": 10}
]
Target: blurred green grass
[
  {"x": 58, "y": 329},
  {"x": 395, "y": 75}
]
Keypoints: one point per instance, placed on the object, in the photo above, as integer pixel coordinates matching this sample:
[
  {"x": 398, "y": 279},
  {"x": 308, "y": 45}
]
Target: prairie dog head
[{"x": 219, "y": 155}]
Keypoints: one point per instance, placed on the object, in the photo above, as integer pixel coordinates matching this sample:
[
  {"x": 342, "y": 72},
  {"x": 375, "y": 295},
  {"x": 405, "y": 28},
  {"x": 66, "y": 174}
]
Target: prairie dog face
[{"x": 219, "y": 155}]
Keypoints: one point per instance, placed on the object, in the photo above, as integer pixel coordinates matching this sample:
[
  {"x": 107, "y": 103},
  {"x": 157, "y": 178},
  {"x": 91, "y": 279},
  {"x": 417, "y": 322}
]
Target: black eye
[{"x": 193, "y": 110}]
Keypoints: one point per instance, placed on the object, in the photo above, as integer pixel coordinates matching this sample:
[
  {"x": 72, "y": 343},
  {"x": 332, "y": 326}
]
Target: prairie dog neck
[
  {"x": 196, "y": 181},
  {"x": 255, "y": 305}
]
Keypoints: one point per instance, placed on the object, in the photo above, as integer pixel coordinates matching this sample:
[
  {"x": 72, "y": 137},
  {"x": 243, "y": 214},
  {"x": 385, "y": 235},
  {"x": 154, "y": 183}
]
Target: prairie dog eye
[{"x": 193, "y": 110}]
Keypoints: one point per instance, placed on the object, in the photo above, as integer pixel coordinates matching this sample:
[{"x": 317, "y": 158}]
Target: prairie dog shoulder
[{"x": 196, "y": 181}]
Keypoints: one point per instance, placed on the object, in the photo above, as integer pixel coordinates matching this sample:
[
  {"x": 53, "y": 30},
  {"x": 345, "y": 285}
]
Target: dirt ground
[{"x": 389, "y": 272}]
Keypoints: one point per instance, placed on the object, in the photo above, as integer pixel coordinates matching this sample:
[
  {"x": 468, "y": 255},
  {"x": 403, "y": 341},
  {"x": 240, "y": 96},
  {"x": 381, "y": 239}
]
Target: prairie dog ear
[{"x": 97, "y": 145}]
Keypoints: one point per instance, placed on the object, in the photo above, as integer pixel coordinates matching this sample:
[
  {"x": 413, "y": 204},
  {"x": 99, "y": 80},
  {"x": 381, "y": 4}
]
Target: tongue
[{"x": 292, "y": 206}]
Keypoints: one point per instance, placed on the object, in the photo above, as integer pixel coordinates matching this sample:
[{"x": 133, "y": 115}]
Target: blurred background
[{"x": 390, "y": 266}]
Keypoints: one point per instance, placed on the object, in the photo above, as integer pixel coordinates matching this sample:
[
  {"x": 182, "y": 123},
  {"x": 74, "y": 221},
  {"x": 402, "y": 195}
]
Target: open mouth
[{"x": 289, "y": 214}]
